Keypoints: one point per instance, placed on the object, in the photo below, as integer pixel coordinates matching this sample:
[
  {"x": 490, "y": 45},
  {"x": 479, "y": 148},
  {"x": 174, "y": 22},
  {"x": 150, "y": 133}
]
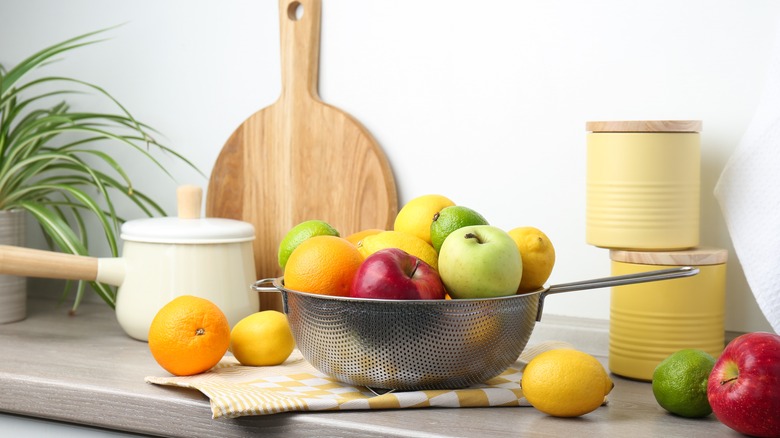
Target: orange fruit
[
  {"x": 301, "y": 232},
  {"x": 323, "y": 265},
  {"x": 354, "y": 238},
  {"x": 189, "y": 335}
]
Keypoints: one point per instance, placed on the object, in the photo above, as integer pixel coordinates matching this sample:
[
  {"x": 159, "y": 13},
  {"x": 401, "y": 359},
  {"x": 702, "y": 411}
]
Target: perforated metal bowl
[{"x": 422, "y": 344}]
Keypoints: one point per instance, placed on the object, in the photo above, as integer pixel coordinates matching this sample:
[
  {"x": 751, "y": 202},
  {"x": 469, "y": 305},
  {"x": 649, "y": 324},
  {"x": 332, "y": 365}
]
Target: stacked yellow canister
[{"x": 643, "y": 194}]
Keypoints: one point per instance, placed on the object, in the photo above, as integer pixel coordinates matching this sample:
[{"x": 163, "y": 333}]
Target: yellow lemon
[
  {"x": 397, "y": 239},
  {"x": 415, "y": 216},
  {"x": 565, "y": 383},
  {"x": 538, "y": 256},
  {"x": 262, "y": 338}
]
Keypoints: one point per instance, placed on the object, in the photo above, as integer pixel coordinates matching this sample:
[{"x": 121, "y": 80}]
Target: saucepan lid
[{"x": 188, "y": 227}]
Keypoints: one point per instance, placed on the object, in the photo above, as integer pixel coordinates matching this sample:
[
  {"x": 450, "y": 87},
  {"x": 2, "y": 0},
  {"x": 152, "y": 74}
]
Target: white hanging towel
[{"x": 749, "y": 195}]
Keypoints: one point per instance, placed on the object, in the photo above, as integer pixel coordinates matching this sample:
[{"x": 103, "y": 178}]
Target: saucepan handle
[{"x": 29, "y": 262}]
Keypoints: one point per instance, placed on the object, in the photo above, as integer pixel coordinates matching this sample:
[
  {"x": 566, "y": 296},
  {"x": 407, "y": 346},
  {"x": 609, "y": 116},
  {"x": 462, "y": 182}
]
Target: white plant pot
[{"x": 13, "y": 289}]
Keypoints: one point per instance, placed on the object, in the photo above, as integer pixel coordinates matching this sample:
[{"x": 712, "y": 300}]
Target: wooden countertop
[{"x": 85, "y": 370}]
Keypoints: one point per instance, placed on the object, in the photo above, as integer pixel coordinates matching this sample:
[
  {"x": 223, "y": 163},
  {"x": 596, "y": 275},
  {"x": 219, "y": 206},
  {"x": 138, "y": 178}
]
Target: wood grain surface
[
  {"x": 300, "y": 158},
  {"x": 29, "y": 262},
  {"x": 645, "y": 126},
  {"x": 689, "y": 257},
  {"x": 85, "y": 370}
]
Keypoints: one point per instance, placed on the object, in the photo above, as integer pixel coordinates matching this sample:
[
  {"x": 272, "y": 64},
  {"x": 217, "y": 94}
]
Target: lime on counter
[{"x": 680, "y": 383}]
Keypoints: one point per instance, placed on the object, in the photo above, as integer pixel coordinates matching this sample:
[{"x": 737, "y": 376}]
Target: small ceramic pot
[{"x": 13, "y": 288}]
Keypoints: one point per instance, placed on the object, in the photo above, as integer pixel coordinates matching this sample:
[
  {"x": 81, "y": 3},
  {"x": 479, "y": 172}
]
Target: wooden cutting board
[{"x": 300, "y": 158}]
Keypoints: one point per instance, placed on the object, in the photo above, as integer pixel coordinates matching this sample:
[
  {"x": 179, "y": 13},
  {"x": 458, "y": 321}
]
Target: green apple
[{"x": 480, "y": 261}]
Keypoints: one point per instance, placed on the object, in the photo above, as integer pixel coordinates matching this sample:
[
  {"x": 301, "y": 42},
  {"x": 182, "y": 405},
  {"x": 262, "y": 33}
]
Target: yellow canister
[
  {"x": 650, "y": 321},
  {"x": 643, "y": 183}
]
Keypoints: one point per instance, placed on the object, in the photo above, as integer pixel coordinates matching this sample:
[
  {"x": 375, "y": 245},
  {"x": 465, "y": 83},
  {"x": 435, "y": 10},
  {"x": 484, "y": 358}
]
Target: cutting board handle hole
[{"x": 295, "y": 11}]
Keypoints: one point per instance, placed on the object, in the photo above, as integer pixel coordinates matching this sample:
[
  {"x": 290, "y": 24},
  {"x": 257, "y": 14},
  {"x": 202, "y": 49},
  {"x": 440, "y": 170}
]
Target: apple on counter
[
  {"x": 744, "y": 385},
  {"x": 392, "y": 273},
  {"x": 480, "y": 261}
]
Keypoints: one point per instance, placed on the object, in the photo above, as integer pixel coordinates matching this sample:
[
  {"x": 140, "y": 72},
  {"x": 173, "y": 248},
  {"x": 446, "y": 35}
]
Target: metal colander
[{"x": 422, "y": 344}]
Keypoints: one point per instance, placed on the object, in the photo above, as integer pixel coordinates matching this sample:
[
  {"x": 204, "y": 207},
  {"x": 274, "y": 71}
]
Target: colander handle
[
  {"x": 267, "y": 285},
  {"x": 618, "y": 280},
  {"x": 264, "y": 285}
]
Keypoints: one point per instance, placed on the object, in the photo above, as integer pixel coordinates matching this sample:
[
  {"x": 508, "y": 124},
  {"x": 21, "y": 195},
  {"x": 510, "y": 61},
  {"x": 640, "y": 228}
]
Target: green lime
[
  {"x": 680, "y": 383},
  {"x": 450, "y": 219},
  {"x": 301, "y": 232}
]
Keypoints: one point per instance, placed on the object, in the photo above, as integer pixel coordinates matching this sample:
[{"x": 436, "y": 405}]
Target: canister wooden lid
[
  {"x": 689, "y": 257},
  {"x": 645, "y": 126}
]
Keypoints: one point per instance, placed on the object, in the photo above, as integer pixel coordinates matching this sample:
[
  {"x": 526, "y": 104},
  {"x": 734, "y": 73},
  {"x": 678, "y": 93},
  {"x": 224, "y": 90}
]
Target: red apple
[
  {"x": 392, "y": 273},
  {"x": 744, "y": 385}
]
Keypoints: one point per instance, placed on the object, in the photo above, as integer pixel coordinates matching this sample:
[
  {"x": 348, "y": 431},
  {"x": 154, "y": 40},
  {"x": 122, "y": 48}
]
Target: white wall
[{"x": 485, "y": 102}]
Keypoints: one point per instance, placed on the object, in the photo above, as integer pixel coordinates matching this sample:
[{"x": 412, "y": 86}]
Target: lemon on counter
[
  {"x": 565, "y": 383},
  {"x": 262, "y": 339}
]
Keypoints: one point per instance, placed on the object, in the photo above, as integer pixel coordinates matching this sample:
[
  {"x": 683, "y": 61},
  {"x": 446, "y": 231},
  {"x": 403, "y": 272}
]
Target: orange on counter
[{"x": 189, "y": 335}]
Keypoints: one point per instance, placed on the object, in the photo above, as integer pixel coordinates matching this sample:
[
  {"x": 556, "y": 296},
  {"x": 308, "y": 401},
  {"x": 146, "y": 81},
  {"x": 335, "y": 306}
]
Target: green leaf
[
  {"x": 38, "y": 59},
  {"x": 67, "y": 241},
  {"x": 58, "y": 163}
]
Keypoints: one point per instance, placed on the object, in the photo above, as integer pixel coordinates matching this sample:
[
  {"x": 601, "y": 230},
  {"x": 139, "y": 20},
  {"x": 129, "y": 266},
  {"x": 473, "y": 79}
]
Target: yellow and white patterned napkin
[{"x": 235, "y": 390}]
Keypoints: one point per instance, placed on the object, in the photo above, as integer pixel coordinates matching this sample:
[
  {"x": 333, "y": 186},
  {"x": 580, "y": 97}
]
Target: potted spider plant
[{"x": 57, "y": 166}]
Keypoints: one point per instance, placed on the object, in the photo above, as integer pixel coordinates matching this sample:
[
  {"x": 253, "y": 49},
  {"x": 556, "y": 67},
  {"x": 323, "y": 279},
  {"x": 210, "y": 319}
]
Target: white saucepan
[{"x": 162, "y": 258}]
